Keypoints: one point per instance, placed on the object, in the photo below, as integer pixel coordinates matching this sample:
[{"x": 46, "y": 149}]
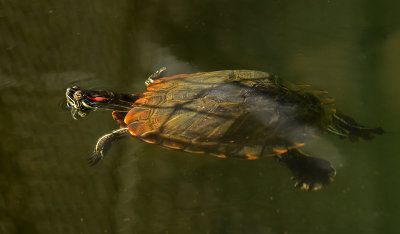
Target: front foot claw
[
  {"x": 95, "y": 158},
  {"x": 155, "y": 76},
  {"x": 104, "y": 143}
]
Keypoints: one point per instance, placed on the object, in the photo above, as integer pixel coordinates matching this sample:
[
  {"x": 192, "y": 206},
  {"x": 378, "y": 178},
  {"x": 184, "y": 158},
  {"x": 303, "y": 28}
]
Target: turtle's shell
[{"x": 234, "y": 113}]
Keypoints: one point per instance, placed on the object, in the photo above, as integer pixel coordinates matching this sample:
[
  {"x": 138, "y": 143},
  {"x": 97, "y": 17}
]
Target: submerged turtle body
[
  {"x": 245, "y": 114},
  {"x": 234, "y": 113}
]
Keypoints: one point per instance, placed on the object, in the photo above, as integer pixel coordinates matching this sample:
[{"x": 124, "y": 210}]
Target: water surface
[{"x": 350, "y": 48}]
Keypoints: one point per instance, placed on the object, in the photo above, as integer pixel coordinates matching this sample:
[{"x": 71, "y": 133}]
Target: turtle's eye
[{"x": 78, "y": 95}]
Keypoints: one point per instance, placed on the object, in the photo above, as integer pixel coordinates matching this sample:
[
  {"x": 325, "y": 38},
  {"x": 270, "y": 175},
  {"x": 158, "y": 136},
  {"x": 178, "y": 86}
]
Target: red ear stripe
[{"x": 98, "y": 99}]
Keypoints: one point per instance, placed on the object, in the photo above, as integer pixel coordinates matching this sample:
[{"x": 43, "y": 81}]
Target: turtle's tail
[{"x": 346, "y": 127}]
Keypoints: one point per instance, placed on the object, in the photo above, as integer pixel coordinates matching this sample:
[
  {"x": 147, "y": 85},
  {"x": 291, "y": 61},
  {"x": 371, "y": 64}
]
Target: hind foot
[{"x": 308, "y": 172}]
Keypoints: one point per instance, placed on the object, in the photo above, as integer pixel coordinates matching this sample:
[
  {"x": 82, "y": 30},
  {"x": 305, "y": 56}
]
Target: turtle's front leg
[
  {"x": 104, "y": 143},
  {"x": 155, "y": 76}
]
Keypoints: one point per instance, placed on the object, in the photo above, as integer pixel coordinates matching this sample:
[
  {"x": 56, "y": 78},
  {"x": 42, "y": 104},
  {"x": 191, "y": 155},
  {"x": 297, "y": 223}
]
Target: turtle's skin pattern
[{"x": 233, "y": 113}]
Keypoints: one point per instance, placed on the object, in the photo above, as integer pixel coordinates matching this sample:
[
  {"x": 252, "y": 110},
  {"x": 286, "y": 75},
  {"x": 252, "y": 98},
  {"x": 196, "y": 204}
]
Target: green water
[{"x": 350, "y": 48}]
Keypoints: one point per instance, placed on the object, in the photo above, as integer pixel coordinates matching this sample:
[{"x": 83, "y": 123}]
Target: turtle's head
[{"x": 82, "y": 101}]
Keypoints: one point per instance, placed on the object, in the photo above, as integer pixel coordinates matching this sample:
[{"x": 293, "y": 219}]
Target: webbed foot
[{"x": 308, "y": 172}]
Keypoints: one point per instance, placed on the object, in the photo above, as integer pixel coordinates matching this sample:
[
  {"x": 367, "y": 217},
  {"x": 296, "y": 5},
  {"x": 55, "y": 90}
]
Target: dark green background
[{"x": 350, "y": 48}]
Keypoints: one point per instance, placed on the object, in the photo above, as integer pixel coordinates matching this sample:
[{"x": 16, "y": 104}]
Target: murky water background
[{"x": 350, "y": 48}]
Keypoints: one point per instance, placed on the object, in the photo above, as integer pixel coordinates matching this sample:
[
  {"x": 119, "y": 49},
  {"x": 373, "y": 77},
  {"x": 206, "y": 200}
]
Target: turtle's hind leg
[
  {"x": 346, "y": 127},
  {"x": 310, "y": 173},
  {"x": 104, "y": 143}
]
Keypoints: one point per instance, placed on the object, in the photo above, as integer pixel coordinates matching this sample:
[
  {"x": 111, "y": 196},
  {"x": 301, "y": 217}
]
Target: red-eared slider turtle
[{"x": 230, "y": 114}]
